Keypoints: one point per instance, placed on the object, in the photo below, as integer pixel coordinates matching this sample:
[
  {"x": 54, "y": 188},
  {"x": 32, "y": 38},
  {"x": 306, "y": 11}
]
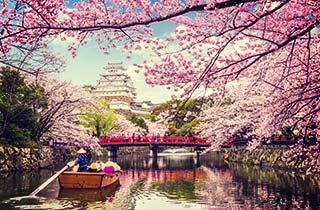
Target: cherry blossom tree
[
  {"x": 156, "y": 128},
  {"x": 242, "y": 105},
  {"x": 304, "y": 158},
  {"x": 36, "y": 60},
  {"x": 60, "y": 119},
  {"x": 71, "y": 134},
  {"x": 122, "y": 126},
  {"x": 216, "y": 41}
]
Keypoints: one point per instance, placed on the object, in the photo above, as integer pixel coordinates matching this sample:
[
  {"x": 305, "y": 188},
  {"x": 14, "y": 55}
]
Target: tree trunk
[
  {"x": 98, "y": 129},
  {"x": 5, "y": 123}
]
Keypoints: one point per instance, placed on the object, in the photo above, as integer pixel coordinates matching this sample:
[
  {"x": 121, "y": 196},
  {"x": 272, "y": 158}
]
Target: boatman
[{"x": 83, "y": 160}]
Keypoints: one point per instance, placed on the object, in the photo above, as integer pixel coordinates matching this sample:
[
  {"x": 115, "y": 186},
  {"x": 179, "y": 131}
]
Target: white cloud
[{"x": 145, "y": 92}]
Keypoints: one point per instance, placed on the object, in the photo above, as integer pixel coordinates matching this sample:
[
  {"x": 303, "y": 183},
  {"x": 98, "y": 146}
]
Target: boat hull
[
  {"x": 87, "y": 180},
  {"x": 90, "y": 195}
]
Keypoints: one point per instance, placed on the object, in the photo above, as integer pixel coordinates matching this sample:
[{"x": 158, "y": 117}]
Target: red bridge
[
  {"x": 153, "y": 142},
  {"x": 183, "y": 141}
]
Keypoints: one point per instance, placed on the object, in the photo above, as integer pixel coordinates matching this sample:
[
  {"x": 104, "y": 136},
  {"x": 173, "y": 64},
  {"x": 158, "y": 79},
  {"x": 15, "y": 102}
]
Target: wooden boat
[
  {"x": 87, "y": 180},
  {"x": 90, "y": 195}
]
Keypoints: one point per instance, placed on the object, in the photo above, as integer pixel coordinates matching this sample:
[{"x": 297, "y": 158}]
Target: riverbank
[
  {"x": 20, "y": 159},
  {"x": 275, "y": 158}
]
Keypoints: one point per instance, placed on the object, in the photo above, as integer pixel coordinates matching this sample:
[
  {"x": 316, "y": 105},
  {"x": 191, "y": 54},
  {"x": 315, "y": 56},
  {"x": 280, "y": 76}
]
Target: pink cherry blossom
[{"x": 273, "y": 44}]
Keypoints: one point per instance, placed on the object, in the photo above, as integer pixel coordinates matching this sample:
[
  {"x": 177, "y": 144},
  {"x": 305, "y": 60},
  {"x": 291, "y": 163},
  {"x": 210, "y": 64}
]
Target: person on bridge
[{"x": 133, "y": 138}]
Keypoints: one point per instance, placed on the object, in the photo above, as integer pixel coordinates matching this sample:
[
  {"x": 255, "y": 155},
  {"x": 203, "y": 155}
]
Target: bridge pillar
[
  {"x": 154, "y": 150},
  {"x": 197, "y": 151},
  {"x": 113, "y": 152},
  {"x": 154, "y": 163}
]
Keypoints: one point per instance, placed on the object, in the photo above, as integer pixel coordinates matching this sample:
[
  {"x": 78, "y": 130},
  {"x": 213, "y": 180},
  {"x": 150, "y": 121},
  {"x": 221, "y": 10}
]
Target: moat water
[{"x": 171, "y": 183}]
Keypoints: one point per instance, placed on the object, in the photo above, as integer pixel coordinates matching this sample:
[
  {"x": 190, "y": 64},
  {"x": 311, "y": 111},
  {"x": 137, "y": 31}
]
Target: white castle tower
[{"x": 117, "y": 87}]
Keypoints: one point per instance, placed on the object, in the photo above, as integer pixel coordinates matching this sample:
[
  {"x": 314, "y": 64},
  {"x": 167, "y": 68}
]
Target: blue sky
[{"x": 89, "y": 63}]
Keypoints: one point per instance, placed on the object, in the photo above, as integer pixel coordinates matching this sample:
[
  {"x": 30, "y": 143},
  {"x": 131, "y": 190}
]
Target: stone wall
[
  {"x": 271, "y": 158},
  {"x": 18, "y": 159},
  {"x": 133, "y": 150}
]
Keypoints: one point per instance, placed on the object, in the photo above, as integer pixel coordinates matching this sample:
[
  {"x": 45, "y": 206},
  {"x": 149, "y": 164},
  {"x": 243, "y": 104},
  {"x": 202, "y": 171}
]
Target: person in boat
[
  {"x": 89, "y": 155},
  {"x": 111, "y": 167},
  {"x": 100, "y": 165},
  {"x": 94, "y": 167},
  {"x": 82, "y": 160}
]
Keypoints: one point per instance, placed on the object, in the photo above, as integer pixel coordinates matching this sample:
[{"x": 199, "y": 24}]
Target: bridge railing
[{"x": 152, "y": 139}]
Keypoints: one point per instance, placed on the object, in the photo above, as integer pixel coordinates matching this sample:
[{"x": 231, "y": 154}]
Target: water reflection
[
  {"x": 277, "y": 188},
  {"x": 177, "y": 183},
  {"x": 150, "y": 163},
  {"x": 89, "y": 195},
  {"x": 21, "y": 183}
]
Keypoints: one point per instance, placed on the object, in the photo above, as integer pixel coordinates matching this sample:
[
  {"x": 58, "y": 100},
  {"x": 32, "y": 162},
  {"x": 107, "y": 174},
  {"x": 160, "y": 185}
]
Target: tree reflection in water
[
  {"x": 277, "y": 188},
  {"x": 216, "y": 185},
  {"x": 176, "y": 183}
]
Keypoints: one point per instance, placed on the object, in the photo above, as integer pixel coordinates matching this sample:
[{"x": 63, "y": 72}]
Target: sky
[{"x": 86, "y": 67}]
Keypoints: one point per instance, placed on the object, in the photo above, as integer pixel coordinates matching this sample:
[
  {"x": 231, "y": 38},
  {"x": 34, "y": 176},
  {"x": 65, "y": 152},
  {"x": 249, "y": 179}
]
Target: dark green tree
[
  {"x": 181, "y": 123},
  {"x": 98, "y": 118},
  {"x": 138, "y": 121},
  {"x": 19, "y": 102}
]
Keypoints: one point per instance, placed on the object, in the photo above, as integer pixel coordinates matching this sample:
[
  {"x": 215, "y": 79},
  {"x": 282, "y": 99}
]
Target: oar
[{"x": 41, "y": 187}]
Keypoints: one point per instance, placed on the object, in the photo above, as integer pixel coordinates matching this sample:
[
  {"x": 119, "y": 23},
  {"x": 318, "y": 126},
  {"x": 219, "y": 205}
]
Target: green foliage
[
  {"x": 181, "y": 123},
  {"x": 19, "y": 103},
  {"x": 164, "y": 107},
  {"x": 188, "y": 128},
  {"x": 17, "y": 133},
  {"x": 138, "y": 121},
  {"x": 99, "y": 118},
  {"x": 27, "y": 144},
  {"x": 151, "y": 117}
]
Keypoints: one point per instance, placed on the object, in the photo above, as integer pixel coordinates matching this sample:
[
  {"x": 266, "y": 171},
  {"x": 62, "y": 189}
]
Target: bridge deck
[{"x": 182, "y": 141}]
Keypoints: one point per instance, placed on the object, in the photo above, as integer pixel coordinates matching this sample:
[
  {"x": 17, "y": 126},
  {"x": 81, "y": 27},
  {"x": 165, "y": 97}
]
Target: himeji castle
[{"x": 116, "y": 86}]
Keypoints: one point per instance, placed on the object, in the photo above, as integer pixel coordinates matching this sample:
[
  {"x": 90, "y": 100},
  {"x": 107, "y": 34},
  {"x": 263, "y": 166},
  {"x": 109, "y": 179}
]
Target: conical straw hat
[{"x": 81, "y": 151}]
